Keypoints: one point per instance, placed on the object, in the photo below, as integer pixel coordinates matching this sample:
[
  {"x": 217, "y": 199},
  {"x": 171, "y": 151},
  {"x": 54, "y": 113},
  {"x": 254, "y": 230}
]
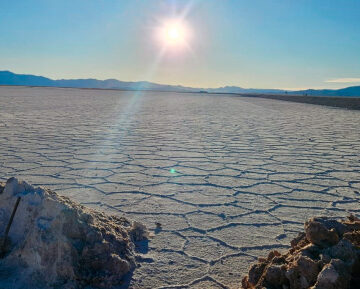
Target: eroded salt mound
[
  {"x": 57, "y": 243},
  {"x": 326, "y": 256}
]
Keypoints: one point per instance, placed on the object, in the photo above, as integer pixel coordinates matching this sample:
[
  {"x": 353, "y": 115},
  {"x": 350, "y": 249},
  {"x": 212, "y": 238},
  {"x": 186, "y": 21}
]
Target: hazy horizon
[
  {"x": 195, "y": 87},
  {"x": 254, "y": 44}
]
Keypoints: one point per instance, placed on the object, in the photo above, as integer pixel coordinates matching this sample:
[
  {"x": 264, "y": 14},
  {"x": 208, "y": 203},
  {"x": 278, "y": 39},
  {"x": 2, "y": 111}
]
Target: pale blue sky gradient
[{"x": 258, "y": 43}]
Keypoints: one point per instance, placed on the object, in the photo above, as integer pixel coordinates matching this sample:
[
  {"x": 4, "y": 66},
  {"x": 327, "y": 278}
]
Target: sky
[{"x": 290, "y": 44}]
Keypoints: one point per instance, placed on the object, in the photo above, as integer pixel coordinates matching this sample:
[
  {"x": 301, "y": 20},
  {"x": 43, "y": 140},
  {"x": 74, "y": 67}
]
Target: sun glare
[{"x": 174, "y": 33}]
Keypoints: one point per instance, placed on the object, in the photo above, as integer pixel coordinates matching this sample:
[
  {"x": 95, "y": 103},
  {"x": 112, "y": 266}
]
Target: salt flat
[{"x": 227, "y": 177}]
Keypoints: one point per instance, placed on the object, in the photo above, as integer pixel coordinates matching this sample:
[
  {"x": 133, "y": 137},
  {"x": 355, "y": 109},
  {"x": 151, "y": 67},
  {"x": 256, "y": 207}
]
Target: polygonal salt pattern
[{"x": 218, "y": 179}]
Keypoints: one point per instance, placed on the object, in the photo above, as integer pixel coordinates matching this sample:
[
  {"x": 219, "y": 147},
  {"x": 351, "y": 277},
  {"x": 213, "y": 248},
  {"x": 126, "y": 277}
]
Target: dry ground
[{"x": 228, "y": 178}]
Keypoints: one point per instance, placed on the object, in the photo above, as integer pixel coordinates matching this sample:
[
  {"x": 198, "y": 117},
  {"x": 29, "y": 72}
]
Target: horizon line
[{"x": 338, "y": 80}]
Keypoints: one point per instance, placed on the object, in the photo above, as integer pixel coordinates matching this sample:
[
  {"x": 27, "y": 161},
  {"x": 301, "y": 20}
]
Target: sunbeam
[{"x": 173, "y": 34}]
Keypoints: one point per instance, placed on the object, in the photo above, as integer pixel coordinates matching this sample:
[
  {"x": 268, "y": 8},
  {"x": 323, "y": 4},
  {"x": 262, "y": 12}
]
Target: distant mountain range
[{"x": 10, "y": 78}]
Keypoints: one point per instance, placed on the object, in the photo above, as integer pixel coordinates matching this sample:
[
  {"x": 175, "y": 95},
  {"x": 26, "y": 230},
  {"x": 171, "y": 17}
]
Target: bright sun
[{"x": 174, "y": 33}]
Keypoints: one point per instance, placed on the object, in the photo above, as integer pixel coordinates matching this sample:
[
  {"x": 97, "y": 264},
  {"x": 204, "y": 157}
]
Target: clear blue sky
[{"x": 253, "y": 43}]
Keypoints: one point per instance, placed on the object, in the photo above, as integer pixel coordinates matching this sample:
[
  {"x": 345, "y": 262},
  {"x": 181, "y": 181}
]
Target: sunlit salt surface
[{"x": 219, "y": 179}]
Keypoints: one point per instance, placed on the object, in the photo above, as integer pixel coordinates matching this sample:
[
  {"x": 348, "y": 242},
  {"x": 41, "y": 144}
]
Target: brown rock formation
[{"x": 326, "y": 256}]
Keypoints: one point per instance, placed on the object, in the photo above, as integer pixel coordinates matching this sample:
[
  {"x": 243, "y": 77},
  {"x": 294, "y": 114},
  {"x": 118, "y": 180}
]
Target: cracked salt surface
[{"x": 228, "y": 178}]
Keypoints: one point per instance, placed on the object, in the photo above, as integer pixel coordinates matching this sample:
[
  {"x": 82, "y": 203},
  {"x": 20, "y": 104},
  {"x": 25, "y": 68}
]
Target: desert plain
[{"x": 218, "y": 179}]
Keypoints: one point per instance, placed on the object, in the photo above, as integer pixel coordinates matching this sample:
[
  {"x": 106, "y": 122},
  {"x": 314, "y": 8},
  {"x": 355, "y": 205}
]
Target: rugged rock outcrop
[
  {"x": 57, "y": 243},
  {"x": 326, "y": 256}
]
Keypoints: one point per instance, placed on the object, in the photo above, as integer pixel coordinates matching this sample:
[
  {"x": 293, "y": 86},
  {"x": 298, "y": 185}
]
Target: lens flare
[{"x": 174, "y": 33}]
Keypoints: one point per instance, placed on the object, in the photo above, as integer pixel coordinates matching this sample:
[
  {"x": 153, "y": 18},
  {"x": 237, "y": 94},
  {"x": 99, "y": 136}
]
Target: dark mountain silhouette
[
  {"x": 348, "y": 91},
  {"x": 10, "y": 78}
]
